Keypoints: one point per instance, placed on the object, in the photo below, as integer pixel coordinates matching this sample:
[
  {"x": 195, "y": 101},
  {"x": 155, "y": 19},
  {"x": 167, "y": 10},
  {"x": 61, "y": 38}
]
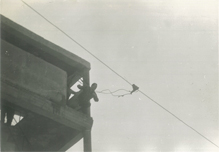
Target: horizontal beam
[
  {"x": 35, "y": 44},
  {"x": 39, "y": 105}
]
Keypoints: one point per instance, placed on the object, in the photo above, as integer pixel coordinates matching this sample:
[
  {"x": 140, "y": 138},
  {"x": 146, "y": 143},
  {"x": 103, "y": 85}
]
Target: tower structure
[{"x": 35, "y": 78}]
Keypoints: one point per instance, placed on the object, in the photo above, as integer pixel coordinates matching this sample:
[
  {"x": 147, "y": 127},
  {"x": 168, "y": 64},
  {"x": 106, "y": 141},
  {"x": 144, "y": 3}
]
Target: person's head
[{"x": 94, "y": 86}]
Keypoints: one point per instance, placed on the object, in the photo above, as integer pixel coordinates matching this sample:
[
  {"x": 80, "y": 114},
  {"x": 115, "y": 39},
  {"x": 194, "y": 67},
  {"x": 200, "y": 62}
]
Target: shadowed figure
[
  {"x": 9, "y": 113},
  {"x": 81, "y": 99}
]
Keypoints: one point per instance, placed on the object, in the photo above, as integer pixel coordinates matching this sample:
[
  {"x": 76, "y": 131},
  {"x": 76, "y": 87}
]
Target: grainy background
[{"x": 169, "y": 48}]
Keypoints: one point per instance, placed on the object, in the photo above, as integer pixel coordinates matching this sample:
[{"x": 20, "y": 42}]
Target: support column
[
  {"x": 87, "y": 133},
  {"x": 87, "y": 141}
]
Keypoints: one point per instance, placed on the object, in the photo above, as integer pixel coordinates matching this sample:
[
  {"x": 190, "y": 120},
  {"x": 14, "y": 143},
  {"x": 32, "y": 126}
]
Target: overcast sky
[{"x": 169, "y": 48}]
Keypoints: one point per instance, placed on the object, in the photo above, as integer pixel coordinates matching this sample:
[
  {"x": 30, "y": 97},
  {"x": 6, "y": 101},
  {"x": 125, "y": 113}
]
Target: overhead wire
[
  {"x": 112, "y": 92},
  {"x": 178, "y": 118},
  {"x": 120, "y": 75},
  {"x": 77, "y": 43}
]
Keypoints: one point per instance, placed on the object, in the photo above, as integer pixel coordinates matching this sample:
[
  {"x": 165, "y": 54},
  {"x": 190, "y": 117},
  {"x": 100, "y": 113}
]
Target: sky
[{"x": 168, "y": 48}]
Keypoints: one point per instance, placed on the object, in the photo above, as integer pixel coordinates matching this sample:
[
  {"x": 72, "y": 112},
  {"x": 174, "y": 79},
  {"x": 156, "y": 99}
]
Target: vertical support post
[
  {"x": 87, "y": 133},
  {"x": 87, "y": 141}
]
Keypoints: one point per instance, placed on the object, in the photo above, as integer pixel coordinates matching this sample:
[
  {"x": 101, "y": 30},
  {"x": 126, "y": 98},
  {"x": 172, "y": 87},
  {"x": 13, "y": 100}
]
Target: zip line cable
[
  {"x": 76, "y": 42},
  {"x": 178, "y": 118},
  {"x": 120, "y": 75}
]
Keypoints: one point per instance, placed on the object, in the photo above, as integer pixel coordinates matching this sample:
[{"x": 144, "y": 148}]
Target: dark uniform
[
  {"x": 81, "y": 99},
  {"x": 85, "y": 96}
]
